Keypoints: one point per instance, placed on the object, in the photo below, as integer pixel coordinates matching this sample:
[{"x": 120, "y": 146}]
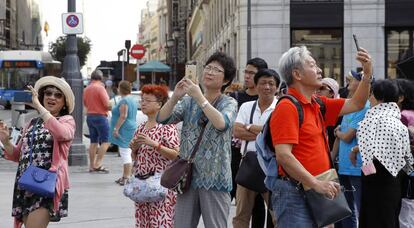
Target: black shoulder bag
[{"x": 250, "y": 174}]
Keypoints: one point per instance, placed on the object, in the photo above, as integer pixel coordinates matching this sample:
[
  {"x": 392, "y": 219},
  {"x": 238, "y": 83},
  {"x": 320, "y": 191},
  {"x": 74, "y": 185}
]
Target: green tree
[{"x": 58, "y": 49}]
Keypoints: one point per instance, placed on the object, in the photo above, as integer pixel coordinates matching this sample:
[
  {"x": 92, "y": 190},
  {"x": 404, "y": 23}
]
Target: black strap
[
  {"x": 32, "y": 140},
  {"x": 250, "y": 122},
  {"x": 215, "y": 102},
  {"x": 297, "y": 104}
]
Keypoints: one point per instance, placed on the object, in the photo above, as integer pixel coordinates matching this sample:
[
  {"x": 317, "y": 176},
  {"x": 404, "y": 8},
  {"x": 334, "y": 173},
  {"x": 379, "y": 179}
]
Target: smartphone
[
  {"x": 191, "y": 72},
  {"x": 23, "y": 96},
  {"x": 356, "y": 42}
]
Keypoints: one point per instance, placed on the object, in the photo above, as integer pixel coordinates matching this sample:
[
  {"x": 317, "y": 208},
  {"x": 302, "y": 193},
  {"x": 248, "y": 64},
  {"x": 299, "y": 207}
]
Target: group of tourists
[{"x": 363, "y": 136}]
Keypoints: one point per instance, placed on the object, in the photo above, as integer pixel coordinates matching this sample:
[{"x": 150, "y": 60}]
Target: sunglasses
[
  {"x": 325, "y": 88},
  {"x": 56, "y": 94}
]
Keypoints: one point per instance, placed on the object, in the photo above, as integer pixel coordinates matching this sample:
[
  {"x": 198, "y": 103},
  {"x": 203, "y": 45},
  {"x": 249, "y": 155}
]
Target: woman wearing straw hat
[{"x": 53, "y": 132}]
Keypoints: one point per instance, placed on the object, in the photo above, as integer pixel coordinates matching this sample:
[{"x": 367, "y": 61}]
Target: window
[
  {"x": 325, "y": 46},
  {"x": 399, "y": 47}
]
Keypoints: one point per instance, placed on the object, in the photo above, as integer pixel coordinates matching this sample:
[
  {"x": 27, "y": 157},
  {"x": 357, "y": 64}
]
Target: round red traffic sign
[{"x": 137, "y": 51}]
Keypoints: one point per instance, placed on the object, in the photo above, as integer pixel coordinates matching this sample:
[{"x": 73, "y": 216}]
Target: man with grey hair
[
  {"x": 96, "y": 101},
  {"x": 301, "y": 149}
]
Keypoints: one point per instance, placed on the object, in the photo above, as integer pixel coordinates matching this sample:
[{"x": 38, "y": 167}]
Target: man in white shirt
[{"x": 267, "y": 82}]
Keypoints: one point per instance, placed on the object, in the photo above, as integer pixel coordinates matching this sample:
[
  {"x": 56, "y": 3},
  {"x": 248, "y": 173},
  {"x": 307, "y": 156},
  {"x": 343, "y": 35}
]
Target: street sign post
[
  {"x": 138, "y": 51},
  {"x": 72, "y": 23}
]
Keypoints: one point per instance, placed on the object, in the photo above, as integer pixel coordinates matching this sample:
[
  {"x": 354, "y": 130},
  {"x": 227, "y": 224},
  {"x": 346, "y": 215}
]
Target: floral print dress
[
  {"x": 25, "y": 202},
  {"x": 156, "y": 214}
]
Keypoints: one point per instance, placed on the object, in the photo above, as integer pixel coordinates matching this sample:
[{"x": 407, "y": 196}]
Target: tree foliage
[{"x": 58, "y": 49}]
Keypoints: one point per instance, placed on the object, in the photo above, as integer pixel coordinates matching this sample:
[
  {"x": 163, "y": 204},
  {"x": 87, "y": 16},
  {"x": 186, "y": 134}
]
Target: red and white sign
[{"x": 137, "y": 51}]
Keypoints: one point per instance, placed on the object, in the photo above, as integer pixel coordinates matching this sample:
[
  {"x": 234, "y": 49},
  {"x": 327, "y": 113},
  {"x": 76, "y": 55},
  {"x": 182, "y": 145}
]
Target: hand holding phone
[
  {"x": 191, "y": 72},
  {"x": 356, "y": 42}
]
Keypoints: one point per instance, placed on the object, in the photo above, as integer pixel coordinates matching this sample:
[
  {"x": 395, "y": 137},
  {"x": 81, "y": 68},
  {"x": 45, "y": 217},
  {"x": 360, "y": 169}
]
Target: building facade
[
  {"x": 20, "y": 26},
  {"x": 384, "y": 27}
]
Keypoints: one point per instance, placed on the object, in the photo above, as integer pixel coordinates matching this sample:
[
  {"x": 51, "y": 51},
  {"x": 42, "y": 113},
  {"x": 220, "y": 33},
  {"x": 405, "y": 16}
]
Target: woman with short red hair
[{"x": 153, "y": 146}]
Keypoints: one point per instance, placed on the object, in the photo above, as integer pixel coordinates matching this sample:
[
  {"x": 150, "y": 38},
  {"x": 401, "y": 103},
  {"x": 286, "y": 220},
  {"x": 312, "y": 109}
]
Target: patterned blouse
[
  {"x": 382, "y": 135},
  {"x": 211, "y": 169}
]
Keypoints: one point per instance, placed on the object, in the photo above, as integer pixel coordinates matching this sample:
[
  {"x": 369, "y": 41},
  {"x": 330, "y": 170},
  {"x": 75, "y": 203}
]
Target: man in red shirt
[
  {"x": 301, "y": 151},
  {"x": 96, "y": 101}
]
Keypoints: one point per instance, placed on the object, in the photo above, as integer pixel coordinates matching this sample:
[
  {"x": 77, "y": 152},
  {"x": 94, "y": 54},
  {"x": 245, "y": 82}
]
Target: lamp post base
[{"x": 77, "y": 156}]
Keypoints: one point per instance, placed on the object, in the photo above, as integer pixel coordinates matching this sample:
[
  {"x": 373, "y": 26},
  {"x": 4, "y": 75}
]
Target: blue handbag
[{"x": 37, "y": 180}]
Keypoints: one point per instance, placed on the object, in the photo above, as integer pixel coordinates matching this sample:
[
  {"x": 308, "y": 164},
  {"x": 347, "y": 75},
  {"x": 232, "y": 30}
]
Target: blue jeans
[
  {"x": 290, "y": 207},
  {"x": 352, "y": 197}
]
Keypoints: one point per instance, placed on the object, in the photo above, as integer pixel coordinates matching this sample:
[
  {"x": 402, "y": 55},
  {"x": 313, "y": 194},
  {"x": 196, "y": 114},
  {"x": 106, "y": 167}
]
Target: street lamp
[
  {"x": 176, "y": 35},
  {"x": 122, "y": 53},
  {"x": 170, "y": 45},
  {"x": 71, "y": 72}
]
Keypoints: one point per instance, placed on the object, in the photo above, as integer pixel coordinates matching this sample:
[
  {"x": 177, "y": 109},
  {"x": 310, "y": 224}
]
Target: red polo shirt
[
  {"x": 308, "y": 142},
  {"x": 95, "y": 99}
]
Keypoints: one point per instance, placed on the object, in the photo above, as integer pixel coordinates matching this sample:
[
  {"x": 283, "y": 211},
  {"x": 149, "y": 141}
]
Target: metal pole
[
  {"x": 249, "y": 29},
  {"x": 123, "y": 61},
  {"x": 71, "y": 72}
]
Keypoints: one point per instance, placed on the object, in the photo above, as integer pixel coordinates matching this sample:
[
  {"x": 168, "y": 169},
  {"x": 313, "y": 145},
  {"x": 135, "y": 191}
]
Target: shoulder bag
[
  {"x": 250, "y": 175},
  {"x": 143, "y": 189},
  {"x": 37, "y": 180},
  {"x": 177, "y": 176}
]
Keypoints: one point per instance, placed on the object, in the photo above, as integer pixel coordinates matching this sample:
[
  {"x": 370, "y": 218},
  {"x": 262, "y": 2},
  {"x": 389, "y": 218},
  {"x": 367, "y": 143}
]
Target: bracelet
[
  {"x": 158, "y": 147},
  {"x": 204, "y": 104},
  {"x": 248, "y": 127}
]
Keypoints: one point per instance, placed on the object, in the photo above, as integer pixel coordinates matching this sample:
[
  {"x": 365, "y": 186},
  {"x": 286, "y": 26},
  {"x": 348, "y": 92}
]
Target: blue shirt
[
  {"x": 127, "y": 129},
  {"x": 211, "y": 167},
  {"x": 350, "y": 121}
]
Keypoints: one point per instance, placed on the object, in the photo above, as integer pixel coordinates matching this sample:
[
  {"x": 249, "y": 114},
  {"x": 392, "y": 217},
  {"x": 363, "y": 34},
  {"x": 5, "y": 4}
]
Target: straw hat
[{"x": 62, "y": 85}]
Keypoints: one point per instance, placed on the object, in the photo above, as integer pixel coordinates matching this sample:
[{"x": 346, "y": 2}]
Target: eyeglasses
[
  {"x": 249, "y": 72},
  {"x": 212, "y": 69},
  {"x": 146, "y": 101},
  {"x": 56, "y": 94}
]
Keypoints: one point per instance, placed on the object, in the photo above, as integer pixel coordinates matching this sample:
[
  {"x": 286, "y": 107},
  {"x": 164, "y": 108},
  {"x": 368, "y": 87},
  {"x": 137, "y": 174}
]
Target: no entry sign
[{"x": 137, "y": 51}]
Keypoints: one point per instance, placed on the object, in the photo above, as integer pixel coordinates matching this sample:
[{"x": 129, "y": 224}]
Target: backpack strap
[
  {"x": 322, "y": 106},
  {"x": 298, "y": 106}
]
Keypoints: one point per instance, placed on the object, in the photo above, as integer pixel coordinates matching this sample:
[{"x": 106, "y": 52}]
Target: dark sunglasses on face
[{"x": 56, "y": 94}]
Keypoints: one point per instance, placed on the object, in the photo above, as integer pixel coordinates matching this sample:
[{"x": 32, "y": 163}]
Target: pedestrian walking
[
  {"x": 45, "y": 143},
  {"x": 153, "y": 146},
  {"x": 96, "y": 101},
  {"x": 383, "y": 142},
  {"x": 267, "y": 82},
  {"x": 211, "y": 183},
  {"x": 301, "y": 149},
  {"x": 123, "y": 126}
]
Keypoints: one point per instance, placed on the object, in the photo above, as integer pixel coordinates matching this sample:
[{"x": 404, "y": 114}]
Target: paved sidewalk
[{"x": 94, "y": 199}]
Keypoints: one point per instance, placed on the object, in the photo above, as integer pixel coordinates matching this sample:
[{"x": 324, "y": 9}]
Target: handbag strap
[
  {"x": 32, "y": 140},
  {"x": 325, "y": 137},
  {"x": 215, "y": 102},
  {"x": 250, "y": 122}
]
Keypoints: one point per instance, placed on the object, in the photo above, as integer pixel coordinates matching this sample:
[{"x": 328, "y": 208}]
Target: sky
[{"x": 107, "y": 23}]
